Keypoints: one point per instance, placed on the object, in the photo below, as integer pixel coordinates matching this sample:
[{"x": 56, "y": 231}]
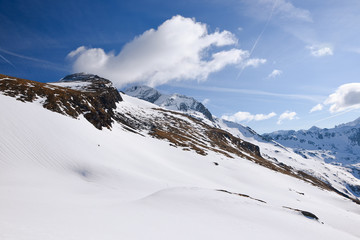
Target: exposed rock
[{"x": 96, "y": 102}]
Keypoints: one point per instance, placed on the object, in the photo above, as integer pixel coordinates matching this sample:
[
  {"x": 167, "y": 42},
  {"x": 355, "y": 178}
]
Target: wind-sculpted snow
[{"x": 62, "y": 178}]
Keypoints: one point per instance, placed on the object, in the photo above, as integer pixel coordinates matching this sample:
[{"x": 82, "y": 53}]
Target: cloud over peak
[{"x": 179, "y": 49}]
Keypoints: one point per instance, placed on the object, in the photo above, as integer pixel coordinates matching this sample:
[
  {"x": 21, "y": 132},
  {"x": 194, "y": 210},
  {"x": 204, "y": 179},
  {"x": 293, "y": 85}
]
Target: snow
[
  {"x": 314, "y": 164},
  {"x": 61, "y": 178},
  {"x": 174, "y": 102},
  {"x": 76, "y": 85}
]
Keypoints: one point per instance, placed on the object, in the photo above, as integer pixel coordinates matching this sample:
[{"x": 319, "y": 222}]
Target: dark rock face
[{"x": 96, "y": 103}]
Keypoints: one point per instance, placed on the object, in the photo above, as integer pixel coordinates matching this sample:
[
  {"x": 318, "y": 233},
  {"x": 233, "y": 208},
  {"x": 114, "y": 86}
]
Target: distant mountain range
[{"x": 337, "y": 146}]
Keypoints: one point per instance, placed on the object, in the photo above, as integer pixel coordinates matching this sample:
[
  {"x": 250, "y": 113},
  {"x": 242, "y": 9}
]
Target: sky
[{"x": 267, "y": 64}]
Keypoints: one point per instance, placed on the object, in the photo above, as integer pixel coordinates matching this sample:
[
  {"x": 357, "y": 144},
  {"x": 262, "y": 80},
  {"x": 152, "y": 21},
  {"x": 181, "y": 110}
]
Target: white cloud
[
  {"x": 253, "y": 62},
  {"x": 346, "y": 97},
  {"x": 318, "y": 107},
  {"x": 287, "y": 116},
  {"x": 205, "y": 101},
  {"x": 179, "y": 49},
  {"x": 246, "y": 116},
  {"x": 320, "y": 51},
  {"x": 275, "y": 73},
  {"x": 77, "y": 51}
]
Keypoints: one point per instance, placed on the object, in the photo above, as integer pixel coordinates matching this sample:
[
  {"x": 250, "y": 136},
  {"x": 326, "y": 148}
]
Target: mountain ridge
[{"x": 175, "y": 101}]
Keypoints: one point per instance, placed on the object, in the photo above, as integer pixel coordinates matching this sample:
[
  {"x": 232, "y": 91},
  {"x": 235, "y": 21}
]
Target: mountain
[
  {"x": 346, "y": 180},
  {"x": 90, "y": 96},
  {"x": 64, "y": 177},
  {"x": 338, "y": 146},
  {"x": 175, "y": 101}
]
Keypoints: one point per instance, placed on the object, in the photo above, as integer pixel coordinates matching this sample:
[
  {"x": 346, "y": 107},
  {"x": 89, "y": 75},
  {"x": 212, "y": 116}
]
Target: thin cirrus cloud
[
  {"x": 247, "y": 117},
  {"x": 179, "y": 49},
  {"x": 346, "y": 97},
  {"x": 282, "y": 9},
  {"x": 287, "y": 116}
]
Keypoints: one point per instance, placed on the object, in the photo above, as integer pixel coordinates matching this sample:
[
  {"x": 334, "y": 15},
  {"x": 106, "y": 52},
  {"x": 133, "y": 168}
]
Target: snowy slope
[
  {"x": 61, "y": 178},
  {"x": 344, "y": 179}
]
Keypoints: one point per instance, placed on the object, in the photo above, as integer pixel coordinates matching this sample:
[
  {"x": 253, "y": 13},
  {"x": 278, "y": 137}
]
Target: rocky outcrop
[{"x": 96, "y": 101}]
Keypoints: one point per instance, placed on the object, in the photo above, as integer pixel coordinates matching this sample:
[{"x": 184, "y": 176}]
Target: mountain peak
[
  {"x": 85, "y": 82},
  {"x": 354, "y": 123},
  {"x": 175, "y": 101},
  {"x": 80, "y": 77},
  {"x": 144, "y": 92}
]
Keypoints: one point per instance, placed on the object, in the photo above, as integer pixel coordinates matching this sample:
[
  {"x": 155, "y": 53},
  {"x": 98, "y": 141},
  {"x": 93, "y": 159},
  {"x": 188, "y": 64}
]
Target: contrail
[
  {"x": 44, "y": 63},
  {"x": 260, "y": 35},
  {"x": 1, "y": 56}
]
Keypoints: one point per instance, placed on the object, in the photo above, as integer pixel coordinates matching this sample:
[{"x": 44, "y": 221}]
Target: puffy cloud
[
  {"x": 79, "y": 50},
  {"x": 286, "y": 116},
  {"x": 275, "y": 73},
  {"x": 320, "y": 51},
  {"x": 246, "y": 116},
  {"x": 346, "y": 97},
  {"x": 318, "y": 107},
  {"x": 179, "y": 49}
]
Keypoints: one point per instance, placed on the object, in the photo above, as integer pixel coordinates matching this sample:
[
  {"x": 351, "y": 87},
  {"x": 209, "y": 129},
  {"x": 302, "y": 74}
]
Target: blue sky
[{"x": 268, "y": 64}]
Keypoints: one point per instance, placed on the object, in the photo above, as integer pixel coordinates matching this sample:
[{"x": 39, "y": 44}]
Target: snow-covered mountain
[
  {"x": 337, "y": 146},
  {"x": 175, "y": 101},
  {"x": 346, "y": 180},
  {"x": 150, "y": 173}
]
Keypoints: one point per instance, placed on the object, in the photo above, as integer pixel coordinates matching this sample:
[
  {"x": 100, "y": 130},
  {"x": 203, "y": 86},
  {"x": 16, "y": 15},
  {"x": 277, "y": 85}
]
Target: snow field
[{"x": 61, "y": 178}]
